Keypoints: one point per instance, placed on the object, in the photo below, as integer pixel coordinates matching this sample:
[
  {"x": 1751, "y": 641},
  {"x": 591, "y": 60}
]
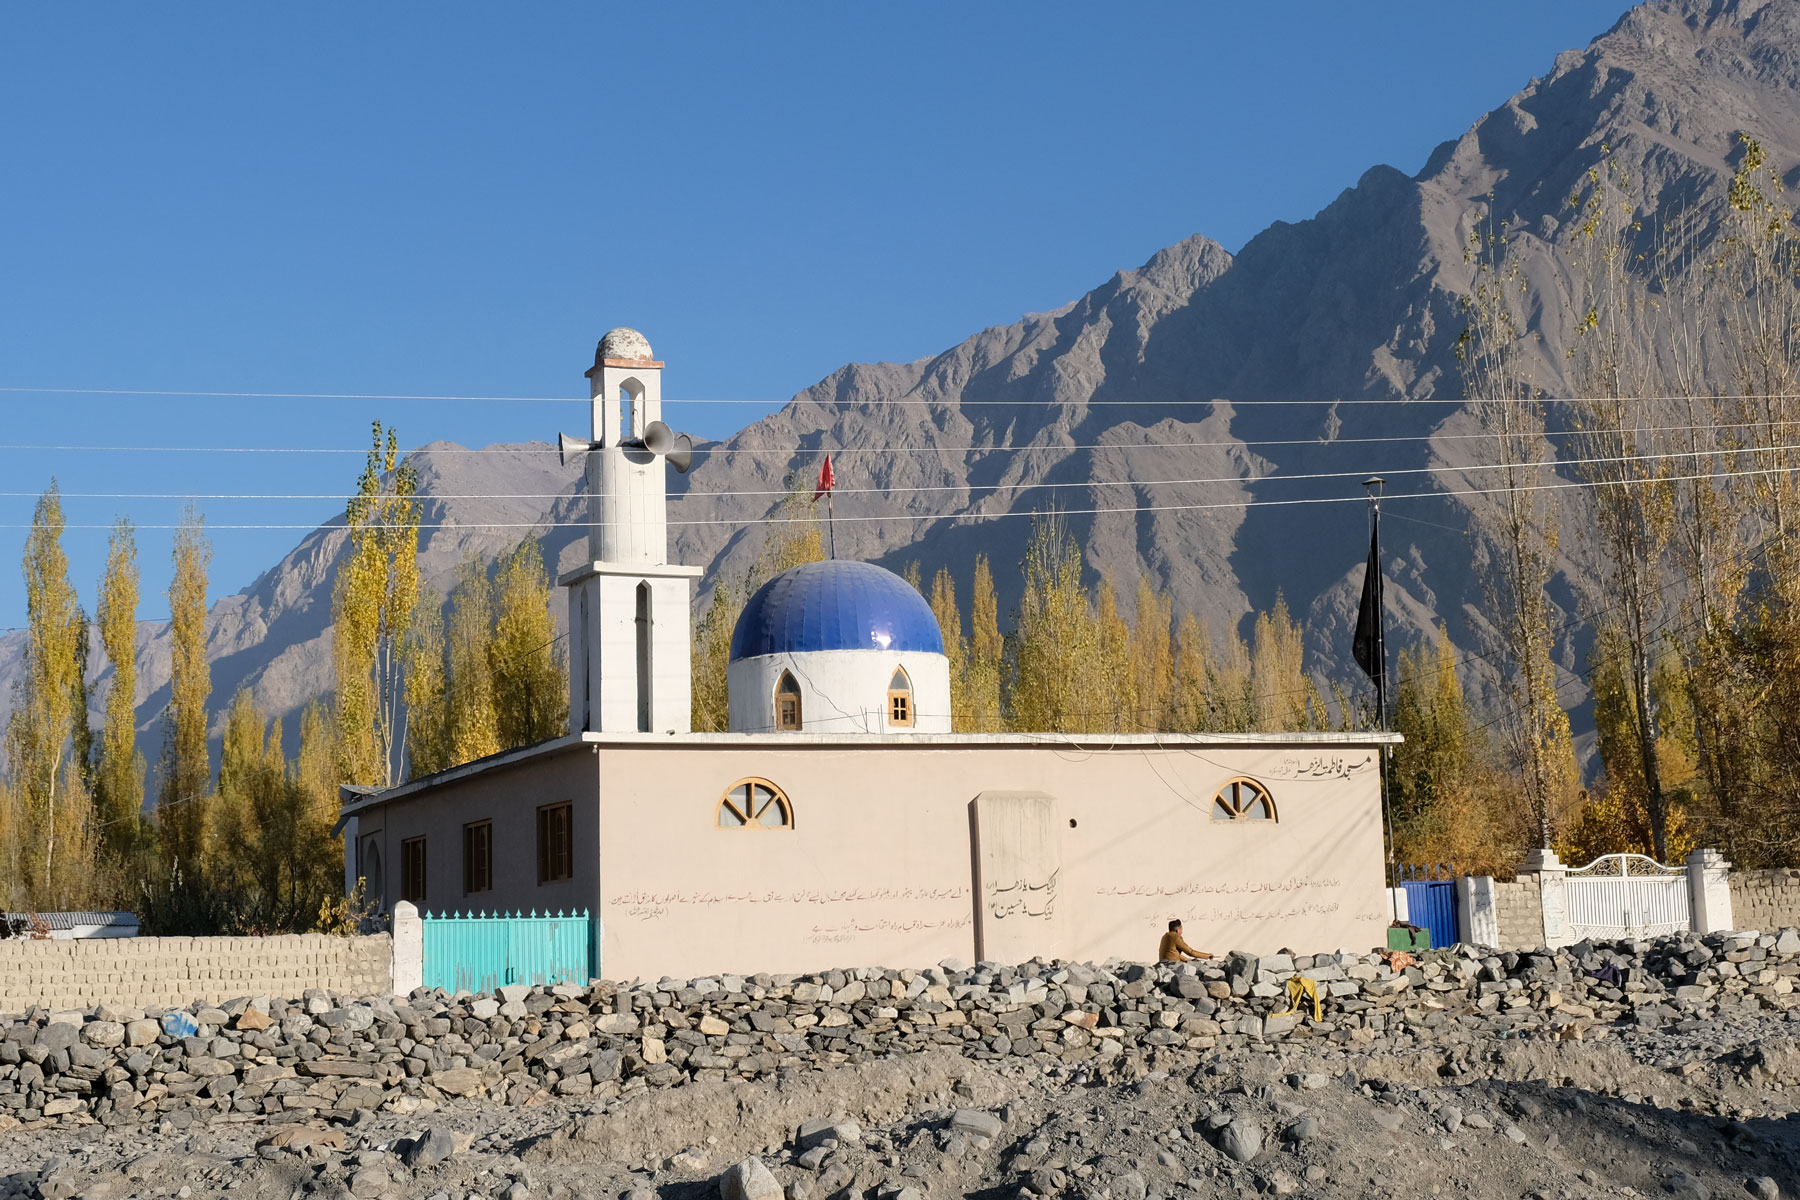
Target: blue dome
[{"x": 836, "y": 605}]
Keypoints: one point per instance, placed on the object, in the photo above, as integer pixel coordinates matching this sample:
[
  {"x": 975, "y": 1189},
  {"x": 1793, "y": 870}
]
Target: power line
[
  {"x": 1539, "y": 464},
  {"x": 801, "y": 398},
  {"x": 991, "y": 516},
  {"x": 798, "y": 451}
]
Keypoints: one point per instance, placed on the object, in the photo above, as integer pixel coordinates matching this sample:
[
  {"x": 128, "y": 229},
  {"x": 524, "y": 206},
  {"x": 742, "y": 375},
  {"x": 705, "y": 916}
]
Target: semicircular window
[
  {"x": 1243, "y": 799},
  {"x": 755, "y": 804}
]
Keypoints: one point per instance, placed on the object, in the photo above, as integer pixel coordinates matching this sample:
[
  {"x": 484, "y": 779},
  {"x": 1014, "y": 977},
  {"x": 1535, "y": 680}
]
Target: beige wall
[
  {"x": 1519, "y": 908},
  {"x": 878, "y": 868},
  {"x": 173, "y": 972},
  {"x": 1765, "y": 900}
]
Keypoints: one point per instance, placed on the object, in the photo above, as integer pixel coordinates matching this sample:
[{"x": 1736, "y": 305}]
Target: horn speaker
[
  {"x": 681, "y": 454},
  {"x": 567, "y": 447},
  {"x": 658, "y": 438}
]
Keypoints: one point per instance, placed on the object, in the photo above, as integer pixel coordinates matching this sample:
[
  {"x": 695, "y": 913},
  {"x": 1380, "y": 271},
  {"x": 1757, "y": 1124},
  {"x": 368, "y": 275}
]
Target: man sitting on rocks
[{"x": 1174, "y": 948}]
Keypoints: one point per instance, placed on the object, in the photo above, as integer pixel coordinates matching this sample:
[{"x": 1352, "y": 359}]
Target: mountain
[{"x": 1149, "y": 407}]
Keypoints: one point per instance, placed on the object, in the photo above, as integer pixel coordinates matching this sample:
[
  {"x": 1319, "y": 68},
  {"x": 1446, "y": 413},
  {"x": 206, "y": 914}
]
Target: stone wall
[
  {"x": 1765, "y": 899},
  {"x": 1520, "y": 909},
  {"x": 326, "y": 1055},
  {"x": 166, "y": 972}
]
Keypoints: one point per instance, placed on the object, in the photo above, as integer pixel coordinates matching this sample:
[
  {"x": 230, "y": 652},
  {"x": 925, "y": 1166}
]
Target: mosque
[{"x": 842, "y": 821}]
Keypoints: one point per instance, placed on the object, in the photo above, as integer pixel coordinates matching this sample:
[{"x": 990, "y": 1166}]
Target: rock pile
[{"x": 325, "y": 1055}]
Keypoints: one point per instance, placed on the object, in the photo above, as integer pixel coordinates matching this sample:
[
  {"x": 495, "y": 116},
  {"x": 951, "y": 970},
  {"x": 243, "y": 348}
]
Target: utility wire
[
  {"x": 799, "y": 451},
  {"x": 1539, "y": 464},
  {"x": 801, "y": 398}
]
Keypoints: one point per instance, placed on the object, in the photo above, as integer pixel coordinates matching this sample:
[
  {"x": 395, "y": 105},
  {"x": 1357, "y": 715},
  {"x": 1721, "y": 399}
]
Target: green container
[{"x": 1402, "y": 938}]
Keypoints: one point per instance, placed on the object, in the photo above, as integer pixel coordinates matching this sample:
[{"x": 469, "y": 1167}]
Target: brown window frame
[
  {"x": 478, "y": 869},
  {"x": 901, "y": 709},
  {"x": 747, "y": 814},
  {"x": 413, "y": 874},
  {"x": 556, "y": 862},
  {"x": 782, "y": 694},
  {"x": 1238, "y": 797}
]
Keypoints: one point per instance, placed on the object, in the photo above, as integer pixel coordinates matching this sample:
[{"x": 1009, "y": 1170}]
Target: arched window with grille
[
  {"x": 1243, "y": 799},
  {"x": 900, "y": 699},
  {"x": 787, "y": 702},
  {"x": 754, "y": 804}
]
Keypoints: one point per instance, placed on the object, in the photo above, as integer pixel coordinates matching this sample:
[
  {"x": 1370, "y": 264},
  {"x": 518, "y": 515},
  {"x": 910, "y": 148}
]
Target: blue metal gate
[
  {"x": 1431, "y": 905},
  {"x": 480, "y": 952}
]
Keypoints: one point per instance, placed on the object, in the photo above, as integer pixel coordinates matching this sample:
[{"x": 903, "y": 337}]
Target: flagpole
[
  {"x": 831, "y": 519},
  {"x": 1374, "y": 485}
]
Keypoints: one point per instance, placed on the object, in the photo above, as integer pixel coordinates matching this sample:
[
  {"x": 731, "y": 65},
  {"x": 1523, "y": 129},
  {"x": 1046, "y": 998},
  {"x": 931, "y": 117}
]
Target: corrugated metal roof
[{"x": 72, "y": 920}]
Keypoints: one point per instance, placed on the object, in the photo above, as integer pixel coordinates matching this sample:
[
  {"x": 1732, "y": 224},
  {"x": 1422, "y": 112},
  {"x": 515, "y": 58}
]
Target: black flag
[{"x": 1369, "y": 647}]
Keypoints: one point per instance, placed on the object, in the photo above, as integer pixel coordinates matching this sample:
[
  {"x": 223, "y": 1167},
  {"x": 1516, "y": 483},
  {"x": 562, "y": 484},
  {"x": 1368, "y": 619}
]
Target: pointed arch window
[
  {"x": 900, "y": 699},
  {"x": 755, "y": 804},
  {"x": 1243, "y": 799},
  {"x": 787, "y": 702}
]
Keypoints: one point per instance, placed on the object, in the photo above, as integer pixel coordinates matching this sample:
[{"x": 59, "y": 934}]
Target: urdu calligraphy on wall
[
  {"x": 649, "y": 905},
  {"x": 1322, "y": 766},
  {"x": 1023, "y": 898}
]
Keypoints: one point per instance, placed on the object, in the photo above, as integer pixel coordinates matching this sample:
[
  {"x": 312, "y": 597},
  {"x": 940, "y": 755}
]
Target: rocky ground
[
  {"x": 1705, "y": 1111},
  {"x": 1649, "y": 1068}
]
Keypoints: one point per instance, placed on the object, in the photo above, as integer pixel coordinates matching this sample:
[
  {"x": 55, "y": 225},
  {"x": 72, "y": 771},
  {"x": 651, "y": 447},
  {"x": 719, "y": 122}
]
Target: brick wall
[
  {"x": 132, "y": 973},
  {"x": 1765, "y": 900},
  {"x": 1520, "y": 910}
]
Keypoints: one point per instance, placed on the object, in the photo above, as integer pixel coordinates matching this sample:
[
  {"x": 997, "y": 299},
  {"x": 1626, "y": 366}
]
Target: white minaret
[{"x": 629, "y": 657}]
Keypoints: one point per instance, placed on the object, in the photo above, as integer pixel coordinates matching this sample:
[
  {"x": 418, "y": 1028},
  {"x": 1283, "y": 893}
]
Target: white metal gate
[{"x": 1627, "y": 895}]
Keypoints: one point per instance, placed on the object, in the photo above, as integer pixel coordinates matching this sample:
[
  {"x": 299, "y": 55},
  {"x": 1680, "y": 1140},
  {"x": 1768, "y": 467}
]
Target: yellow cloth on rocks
[{"x": 1300, "y": 987}]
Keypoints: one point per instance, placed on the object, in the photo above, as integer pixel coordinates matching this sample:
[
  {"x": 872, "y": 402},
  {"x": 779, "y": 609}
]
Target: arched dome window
[
  {"x": 755, "y": 804},
  {"x": 787, "y": 702},
  {"x": 900, "y": 699}
]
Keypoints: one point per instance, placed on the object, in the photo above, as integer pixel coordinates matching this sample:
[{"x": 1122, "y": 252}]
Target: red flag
[{"x": 827, "y": 480}]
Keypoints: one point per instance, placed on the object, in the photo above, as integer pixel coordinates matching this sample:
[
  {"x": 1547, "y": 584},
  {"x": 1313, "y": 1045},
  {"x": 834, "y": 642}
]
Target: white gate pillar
[
  {"x": 1709, "y": 891},
  {"x": 1475, "y": 905},
  {"x": 1553, "y": 892},
  {"x": 409, "y": 949}
]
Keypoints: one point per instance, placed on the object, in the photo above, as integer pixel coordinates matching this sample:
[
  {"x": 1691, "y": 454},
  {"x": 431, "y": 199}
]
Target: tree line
[{"x": 421, "y": 684}]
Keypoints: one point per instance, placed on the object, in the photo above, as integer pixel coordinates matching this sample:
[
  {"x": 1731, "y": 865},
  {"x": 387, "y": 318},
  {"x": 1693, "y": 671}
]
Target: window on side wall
[
  {"x": 1243, "y": 799},
  {"x": 478, "y": 857},
  {"x": 412, "y": 870},
  {"x": 754, "y": 804},
  {"x": 556, "y": 845}
]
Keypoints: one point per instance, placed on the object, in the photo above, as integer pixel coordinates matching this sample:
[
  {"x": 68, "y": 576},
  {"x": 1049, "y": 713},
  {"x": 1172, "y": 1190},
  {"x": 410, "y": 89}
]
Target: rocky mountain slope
[{"x": 1151, "y": 407}]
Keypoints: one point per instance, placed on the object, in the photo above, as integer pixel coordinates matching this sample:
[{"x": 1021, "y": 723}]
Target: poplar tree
[
  {"x": 53, "y": 819},
  {"x": 372, "y": 607},
  {"x": 472, "y": 724},
  {"x": 1152, "y": 657},
  {"x": 981, "y": 688},
  {"x": 531, "y": 685},
  {"x": 1055, "y": 640},
  {"x": 1112, "y": 704},
  {"x": 956, "y": 643},
  {"x": 1286, "y": 698},
  {"x": 795, "y": 533},
  {"x": 186, "y": 765},
  {"x": 427, "y": 698},
  {"x": 257, "y": 819},
  {"x": 119, "y": 775},
  {"x": 710, "y": 705},
  {"x": 1521, "y": 527}
]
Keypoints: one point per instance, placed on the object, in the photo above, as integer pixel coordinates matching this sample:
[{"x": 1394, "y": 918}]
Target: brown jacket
[{"x": 1175, "y": 949}]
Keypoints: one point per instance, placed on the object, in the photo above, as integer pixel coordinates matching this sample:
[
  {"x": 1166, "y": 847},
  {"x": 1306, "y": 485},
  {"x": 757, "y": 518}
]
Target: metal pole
[
  {"x": 1374, "y": 485},
  {"x": 831, "y": 518}
]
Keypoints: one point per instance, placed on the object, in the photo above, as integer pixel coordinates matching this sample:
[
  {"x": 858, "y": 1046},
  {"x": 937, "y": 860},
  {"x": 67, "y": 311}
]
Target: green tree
[
  {"x": 372, "y": 608},
  {"x": 181, "y": 808},
  {"x": 1055, "y": 640},
  {"x": 54, "y": 820},
  {"x": 472, "y": 723},
  {"x": 119, "y": 774},
  {"x": 956, "y": 643},
  {"x": 531, "y": 685}
]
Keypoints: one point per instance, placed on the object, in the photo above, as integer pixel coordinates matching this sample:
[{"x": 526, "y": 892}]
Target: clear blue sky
[{"x": 384, "y": 198}]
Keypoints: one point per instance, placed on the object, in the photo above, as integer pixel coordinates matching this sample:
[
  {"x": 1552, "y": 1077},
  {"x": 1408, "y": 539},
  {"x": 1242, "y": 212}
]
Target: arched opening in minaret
[
  {"x": 631, "y": 409},
  {"x": 643, "y": 656}
]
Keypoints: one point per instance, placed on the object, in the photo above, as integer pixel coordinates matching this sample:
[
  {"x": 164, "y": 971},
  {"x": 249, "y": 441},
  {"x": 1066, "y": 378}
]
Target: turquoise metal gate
[{"x": 480, "y": 952}]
